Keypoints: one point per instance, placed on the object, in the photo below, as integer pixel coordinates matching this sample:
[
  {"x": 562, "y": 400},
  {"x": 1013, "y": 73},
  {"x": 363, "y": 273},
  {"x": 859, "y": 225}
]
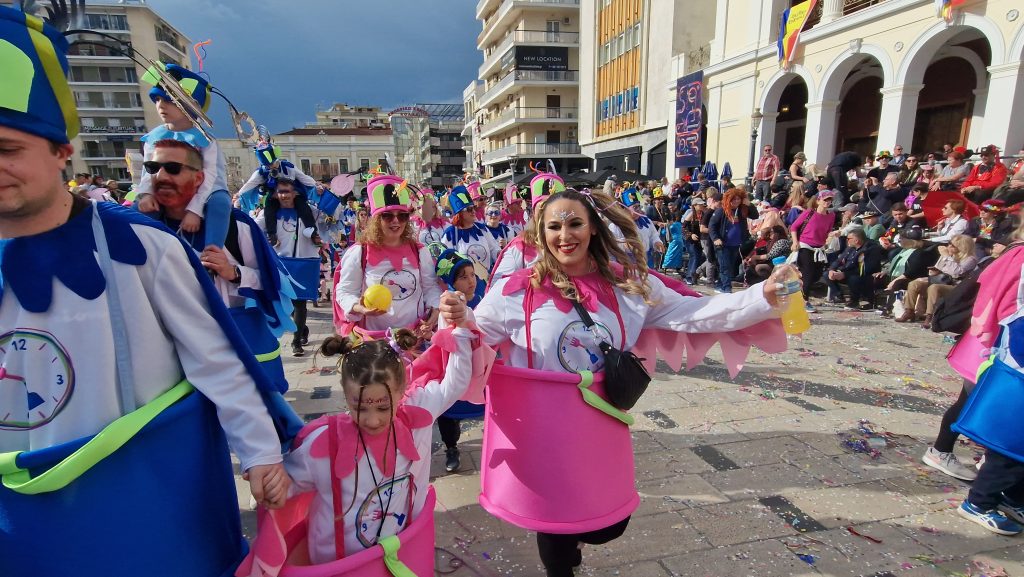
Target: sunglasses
[
  {"x": 174, "y": 168},
  {"x": 493, "y": 213},
  {"x": 400, "y": 216}
]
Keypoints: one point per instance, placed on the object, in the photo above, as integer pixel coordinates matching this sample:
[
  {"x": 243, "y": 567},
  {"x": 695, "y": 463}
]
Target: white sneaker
[{"x": 948, "y": 464}]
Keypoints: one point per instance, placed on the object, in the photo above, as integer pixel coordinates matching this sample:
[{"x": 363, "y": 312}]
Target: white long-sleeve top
[
  {"x": 511, "y": 259},
  {"x": 287, "y": 236},
  {"x": 561, "y": 342},
  {"x": 483, "y": 250},
  {"x": 369, "y": 500},
  {"x": 172, "y": 336},
  {"x": 950, "y": 228},
  {"x": 414, "y": 289},
  {"x": 290, "y": 173}
]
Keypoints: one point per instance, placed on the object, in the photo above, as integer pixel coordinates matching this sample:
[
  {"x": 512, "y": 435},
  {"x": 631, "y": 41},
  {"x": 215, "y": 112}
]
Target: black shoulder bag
[{"x": 625, "y": 378}]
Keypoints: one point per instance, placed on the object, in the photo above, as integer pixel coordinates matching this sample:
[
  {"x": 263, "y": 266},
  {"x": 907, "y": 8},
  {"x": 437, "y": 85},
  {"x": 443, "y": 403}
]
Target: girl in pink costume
[
  {"x": 553, "y": 482},
  {"x": 362, "y": 477},
  {"x": 514, "y": 216},
  {"x": 387, "y": 254}
]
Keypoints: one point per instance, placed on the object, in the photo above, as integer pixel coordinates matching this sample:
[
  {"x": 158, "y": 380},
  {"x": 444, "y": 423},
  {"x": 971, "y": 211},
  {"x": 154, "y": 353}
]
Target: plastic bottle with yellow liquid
[{"x": 791, "y": 300}]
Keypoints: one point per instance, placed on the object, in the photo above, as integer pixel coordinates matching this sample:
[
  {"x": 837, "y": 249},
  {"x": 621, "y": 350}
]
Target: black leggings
[
  {"x": 946, "y": 439},
  {"x": 560, "y": 553},
  {"x": 450, "y": 431}
]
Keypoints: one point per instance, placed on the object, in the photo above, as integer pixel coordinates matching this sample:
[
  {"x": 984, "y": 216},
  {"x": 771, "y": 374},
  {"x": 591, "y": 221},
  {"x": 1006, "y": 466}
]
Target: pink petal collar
[
  {"x": 396, "y": 254},
  {"x": 592, "y": 288},
  {"x": 350, "y": 449}
]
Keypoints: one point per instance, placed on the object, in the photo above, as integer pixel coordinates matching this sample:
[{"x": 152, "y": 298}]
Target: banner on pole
[
  {"x": 689, "y": 119},
  {"x": 793, "y": 21}
]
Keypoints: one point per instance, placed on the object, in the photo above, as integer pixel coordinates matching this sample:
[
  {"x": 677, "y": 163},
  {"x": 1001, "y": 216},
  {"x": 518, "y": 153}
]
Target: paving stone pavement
[{"x": 758, "y": 476}]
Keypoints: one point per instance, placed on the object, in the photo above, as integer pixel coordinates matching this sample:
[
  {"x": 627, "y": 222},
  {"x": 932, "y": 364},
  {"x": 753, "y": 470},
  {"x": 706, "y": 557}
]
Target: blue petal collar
[
  {"x": 456, "y": 235},
  {"x": 500, "y": 231},
  {"x": 643, "y": 222},
  {"x": 29, "y": 265},
  {"x": 191, "y": 136}
]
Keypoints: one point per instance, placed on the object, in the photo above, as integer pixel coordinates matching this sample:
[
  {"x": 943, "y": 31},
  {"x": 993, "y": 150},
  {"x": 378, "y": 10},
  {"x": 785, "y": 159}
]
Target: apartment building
[
  {"x": 627, "y": 77},
  {"x": 113, "y": 106},
  {"x": 341, "y": 115},
  {"x": 528, "y": 108},
  {"x": 429, "y": 143}
]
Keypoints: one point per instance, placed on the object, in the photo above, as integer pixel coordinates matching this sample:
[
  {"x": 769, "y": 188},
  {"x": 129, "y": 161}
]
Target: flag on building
[
  {"x": 792, "y": 22},
  {"x": 944, "y": 8}
]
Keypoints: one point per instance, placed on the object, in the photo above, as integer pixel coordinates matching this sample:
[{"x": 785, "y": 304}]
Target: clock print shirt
[
  {"x": 414, "y": 289},
  {"x": 57, "y": 354},
  {"x": 392, "y": 502},
  {"x": 475, "y": 242}
]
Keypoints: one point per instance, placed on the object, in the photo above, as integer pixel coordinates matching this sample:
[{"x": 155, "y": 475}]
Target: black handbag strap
[{"x": 589, "y": 322}]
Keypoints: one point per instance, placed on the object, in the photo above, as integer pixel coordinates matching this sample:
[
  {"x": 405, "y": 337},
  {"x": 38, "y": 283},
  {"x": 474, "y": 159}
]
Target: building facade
[
  {"x": 114, "y": 107},
  {"x": 341, "y": 115},
  {"x": 867, "y": 75},
  {"x": 319, "y": 152},
  {"x": 429, "y": 143},
  {"x": 528, "y": 110},
  {"x": 626, "y": 64}
]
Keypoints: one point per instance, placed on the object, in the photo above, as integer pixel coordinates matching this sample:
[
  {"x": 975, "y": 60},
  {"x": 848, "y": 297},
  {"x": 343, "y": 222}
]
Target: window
[
  {"x": 636, "y": 34},
  {"x": 364, "y": 163},
  {"x": 342, "y": 165},
  {"x": 305, "y": 164},
  {"x": 628, "y": 34},
  {"x": 382, "y": 162}
]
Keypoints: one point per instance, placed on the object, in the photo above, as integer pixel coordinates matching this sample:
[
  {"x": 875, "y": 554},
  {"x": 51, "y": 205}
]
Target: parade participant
[
  {"x": 429, "y": 222},
  {"x": 989, "y": 354},
  {"x": 212, "y": 203},
  {"x": 247, "y": 274},
  {"x": 296, "y": 242},
  {"x": 387, "y": 254},
  {"x": 522, "y": 250},
  {"x": 374, "y": 455},
  {"x": 264, "y": 180},
  {"x": 530, "y": 316},
  {"x": 93, "y": 287},
  {"x": 513, "y": 215},
  {"x": 499, "y": 230},
  {"x": 648, "y": 232},
  {"x": 479, "y": 200},
  {"x": 458, "y": 273},
  {"x": 465, "y": 234}
]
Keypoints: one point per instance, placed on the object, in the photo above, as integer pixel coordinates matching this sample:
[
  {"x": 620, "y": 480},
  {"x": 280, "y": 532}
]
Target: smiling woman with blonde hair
[{"x": 538, "y": 317}]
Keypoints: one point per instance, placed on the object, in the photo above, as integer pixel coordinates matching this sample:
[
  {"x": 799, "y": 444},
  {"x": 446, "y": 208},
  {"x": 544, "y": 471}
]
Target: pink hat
[
  {"x": 544, "y": 185},
  {"x": 388, "y": 192},
  {"x": 474, "y": 190}
]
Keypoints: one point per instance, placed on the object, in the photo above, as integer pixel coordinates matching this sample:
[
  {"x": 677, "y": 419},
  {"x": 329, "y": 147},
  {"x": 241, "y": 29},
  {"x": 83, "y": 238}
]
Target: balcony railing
[
  {"x": 526, "y": 37},
  {"x": 513, "y": 114},
  {"x": 532, "y": 149},
  {"x": 529, "y": 76},
  {"x": 506, "y": 7},
  {"x": 848, "y": 7}
]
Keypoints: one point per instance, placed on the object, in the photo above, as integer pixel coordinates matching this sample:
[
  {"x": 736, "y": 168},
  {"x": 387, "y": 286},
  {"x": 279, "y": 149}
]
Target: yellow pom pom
[{"x": 377, "y": 297}]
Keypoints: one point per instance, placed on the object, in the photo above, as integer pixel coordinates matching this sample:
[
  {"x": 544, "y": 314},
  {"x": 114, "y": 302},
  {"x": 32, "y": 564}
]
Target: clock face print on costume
[
  {"x": 431, "y": 235},
  {"x": 478, "y": 253},
  {"x": 401, "y": 283},
  {"x": 579, "y": 350},
  {"x": 36, "y": 379},
  {"x": 389, "y": 504}
]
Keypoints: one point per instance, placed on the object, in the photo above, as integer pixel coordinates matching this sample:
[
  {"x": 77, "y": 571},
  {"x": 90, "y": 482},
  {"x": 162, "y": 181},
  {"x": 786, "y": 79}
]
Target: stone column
[
  {"x": 978, "y": 115},
  {"x": 831, "y": 10},
  {"x": 820, "y": 134},
  {"x": 766, "y": 133},
  {"x": 1004, "y": 108},
  {"x": 899, "y": 112}
]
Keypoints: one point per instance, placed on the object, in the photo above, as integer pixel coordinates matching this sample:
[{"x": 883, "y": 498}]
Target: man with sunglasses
[
  {"x": 765, "y": 172},
  {"x": 107, "y": 313},
  {"x": 298, "y": 241}
]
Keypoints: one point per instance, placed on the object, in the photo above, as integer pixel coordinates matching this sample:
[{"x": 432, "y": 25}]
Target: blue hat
[
  {"x": 193, "y": 84},
  {"x": 267, "y": 153},
  {"x": 448, "y": 264},
  {"x": 629, "y": 197},
  {"x": 459, "y": 199},
  {"x": 34, "y": 95}
]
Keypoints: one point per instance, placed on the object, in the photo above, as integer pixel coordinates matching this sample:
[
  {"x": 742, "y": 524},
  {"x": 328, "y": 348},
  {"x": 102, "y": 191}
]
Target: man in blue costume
[{"x": 109, "y": 324}]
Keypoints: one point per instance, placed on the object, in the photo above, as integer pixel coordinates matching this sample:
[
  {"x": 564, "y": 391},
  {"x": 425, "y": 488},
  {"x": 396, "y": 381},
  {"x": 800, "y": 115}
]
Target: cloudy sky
[{"x": 278, "y": 60}]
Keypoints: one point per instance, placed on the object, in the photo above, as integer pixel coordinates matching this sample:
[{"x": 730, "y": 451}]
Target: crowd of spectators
[{"x": 862, "y": 231}]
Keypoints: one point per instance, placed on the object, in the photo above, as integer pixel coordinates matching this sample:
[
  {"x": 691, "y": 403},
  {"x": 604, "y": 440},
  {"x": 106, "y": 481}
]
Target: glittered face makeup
[{"x": 564, "y": 215}]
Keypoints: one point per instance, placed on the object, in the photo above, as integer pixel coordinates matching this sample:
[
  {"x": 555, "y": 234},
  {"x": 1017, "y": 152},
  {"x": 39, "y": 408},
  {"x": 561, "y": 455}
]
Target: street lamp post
[{"x": 755, "y": 122}]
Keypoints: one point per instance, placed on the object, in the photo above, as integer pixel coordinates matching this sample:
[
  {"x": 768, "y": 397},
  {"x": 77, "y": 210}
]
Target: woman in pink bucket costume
[
  {"x": 387, "y": 253},
  {"x": 568, "y": 472}
]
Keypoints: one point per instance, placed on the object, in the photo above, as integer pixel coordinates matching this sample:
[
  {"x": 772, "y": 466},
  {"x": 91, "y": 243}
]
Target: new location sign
[{"x": 537, "y": 58}]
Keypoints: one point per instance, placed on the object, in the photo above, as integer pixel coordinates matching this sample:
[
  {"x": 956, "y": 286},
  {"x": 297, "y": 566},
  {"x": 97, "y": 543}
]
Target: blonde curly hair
[{"x": 603, "y": 247}]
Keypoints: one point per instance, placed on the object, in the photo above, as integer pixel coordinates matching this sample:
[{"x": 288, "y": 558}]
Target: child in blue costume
[
  {"x": 457, "y": 271},
  {"x": 264, "y": 181},
  {"x": 213, "y": 202}
]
